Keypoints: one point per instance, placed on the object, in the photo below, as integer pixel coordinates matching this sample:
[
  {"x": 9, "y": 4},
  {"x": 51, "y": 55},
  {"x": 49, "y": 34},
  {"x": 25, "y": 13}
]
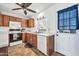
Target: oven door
[{"x": 15, "y": 37}]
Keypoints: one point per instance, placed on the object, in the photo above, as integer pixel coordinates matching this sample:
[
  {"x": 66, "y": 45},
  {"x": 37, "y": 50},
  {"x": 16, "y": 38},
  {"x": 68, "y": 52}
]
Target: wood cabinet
[
  {"x": 5, "y": 20},
  {"x": 1, "y": 20},
  {"x": 12, "y": 18},
  {"x": 28, "y": 23},
  {"x": 24, "y": 23},
  {"x": 34, "y": 40},
  {"x": 24, "y": 37},
  {"x": 31, "y": 22},
  {"x": 50, "y": 44},
  {"x": 18, "y": 19},
  {"x": 30, "y": 38},
  {"x": 27, "y": 37}
]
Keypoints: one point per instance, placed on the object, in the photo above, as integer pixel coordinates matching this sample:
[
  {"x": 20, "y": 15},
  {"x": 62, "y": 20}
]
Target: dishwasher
[{"x": 41, "y": 44}]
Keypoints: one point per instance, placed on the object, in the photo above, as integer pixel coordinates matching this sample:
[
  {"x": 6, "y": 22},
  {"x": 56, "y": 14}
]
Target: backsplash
[{"x": 32, "y": 30}]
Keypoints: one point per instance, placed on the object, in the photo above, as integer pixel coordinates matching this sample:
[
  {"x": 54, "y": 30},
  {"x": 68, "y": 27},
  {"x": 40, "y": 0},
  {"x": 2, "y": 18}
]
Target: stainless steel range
[
  {"x": 15, "y": 35},
  {"x": 15, "y": 31}
]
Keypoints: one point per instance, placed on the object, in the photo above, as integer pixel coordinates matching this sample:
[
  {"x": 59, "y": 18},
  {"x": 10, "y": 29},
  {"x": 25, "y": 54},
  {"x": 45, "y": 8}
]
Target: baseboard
[
  {"x": 39, "y": 51},
  {"x": 42, "y": 52},
  {"x": 60, "y": 53}
]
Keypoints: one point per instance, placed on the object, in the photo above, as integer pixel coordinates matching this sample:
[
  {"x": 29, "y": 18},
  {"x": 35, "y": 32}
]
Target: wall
[{"x": 65, "y": 43}]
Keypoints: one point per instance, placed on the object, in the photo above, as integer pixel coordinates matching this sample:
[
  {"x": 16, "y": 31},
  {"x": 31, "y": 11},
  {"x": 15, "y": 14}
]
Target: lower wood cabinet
[
  {"x": 50, "y": 45},
  {"x": 34, "y": 40},
  {"x": 30, "y": 38},
  {"x": 24, "y": 37}
]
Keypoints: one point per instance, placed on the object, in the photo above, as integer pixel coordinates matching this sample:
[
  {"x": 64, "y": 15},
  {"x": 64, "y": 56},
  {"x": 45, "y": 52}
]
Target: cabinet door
[
  {"x": 31, "y": 22},
  {"x": 12, "y": 18},
  {"x": 18, "y": 19},
  {"x": 1, "y": 20},
  {"x": 27, "y": 37},
  {"x": 6, "y": 20},
  {"x": 30, "y": 38},
  {"x": 50, "y": 45},
  {"x": 24, "y": 23},
  {"x": 24, "y": 37},
  {"x": 34, "y": 40}
]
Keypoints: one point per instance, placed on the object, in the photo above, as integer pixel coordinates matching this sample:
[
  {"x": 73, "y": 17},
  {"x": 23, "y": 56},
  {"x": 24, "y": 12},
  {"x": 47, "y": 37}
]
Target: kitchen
[
  {"x": 24, "y": 30},
  {"x": 15, "y": 30},
  {"x": 38, "y": 32}
]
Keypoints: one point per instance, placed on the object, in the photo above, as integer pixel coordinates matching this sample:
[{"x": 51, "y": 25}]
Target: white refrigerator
[{"x": 4, "y": 36}]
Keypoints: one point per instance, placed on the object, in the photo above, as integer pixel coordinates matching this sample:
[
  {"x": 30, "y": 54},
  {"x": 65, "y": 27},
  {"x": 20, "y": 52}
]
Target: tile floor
[{"x": 21, "y": 50}]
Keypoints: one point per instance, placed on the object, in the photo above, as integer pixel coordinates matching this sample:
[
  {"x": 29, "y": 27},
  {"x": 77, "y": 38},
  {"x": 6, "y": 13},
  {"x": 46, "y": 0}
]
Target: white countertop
[{"x": 44, "y": 34}]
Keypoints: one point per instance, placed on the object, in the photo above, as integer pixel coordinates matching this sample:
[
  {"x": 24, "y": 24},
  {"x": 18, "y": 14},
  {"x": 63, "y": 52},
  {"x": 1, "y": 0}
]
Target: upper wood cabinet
[
  {"x": 31, "y": 22},
  {"x": 12, "y": 18},
  {"x": 24, "y": 23},
  {"x": 5, "y": 20},
  {"x": 18, "y": 19},
  {"x": 1, "y": 20},
  {"x": 28, "y": 23}
]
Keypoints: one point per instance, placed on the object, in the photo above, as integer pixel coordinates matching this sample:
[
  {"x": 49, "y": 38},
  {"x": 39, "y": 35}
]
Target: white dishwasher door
[{"x": 41, "y": 44}]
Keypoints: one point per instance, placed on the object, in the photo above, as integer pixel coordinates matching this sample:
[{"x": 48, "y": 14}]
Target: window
[{"x": 67, "y": 19}]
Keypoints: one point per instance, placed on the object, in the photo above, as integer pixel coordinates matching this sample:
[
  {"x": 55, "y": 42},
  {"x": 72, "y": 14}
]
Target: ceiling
[{"x": 38, "y": 7}]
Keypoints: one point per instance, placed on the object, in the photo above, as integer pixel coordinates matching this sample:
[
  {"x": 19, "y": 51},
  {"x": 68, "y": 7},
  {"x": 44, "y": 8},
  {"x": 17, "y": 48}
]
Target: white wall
[{"x": 65, "y": 43}]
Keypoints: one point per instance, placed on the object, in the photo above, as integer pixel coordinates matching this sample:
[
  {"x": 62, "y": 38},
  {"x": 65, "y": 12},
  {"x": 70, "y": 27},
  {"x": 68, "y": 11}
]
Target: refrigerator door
[{"x": 4, "y": 36}]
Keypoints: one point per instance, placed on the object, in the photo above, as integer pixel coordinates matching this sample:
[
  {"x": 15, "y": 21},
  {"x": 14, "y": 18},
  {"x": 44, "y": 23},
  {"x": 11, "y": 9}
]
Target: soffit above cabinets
[{"x": 39, "y": 7}]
